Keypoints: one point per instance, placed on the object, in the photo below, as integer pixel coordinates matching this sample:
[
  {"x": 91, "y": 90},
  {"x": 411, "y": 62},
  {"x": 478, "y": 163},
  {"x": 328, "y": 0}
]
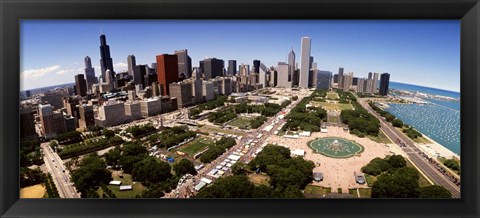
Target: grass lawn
[
  {"x": 364, "y": 192},
  {"x": 443, "y": 159},
  {"x": 126, "y": 180},
  {"x": 422, "y": 140},
  {"x": 381, "y": 138},
  {"x": 423, "y": 182},
  {"x": 196, "y": 146},
  {"x": 333, "y": 119},
  {"x": 259, "y": 179},
  {"x": 333, "y": 106},
  {"x": 317, "y": 191},
  {"x": 208, "y": 128},
  {"x": 241, "y": 122},
  {"x": 370, "y": 179},
  {"x": 418, "y": 139},
  {"x": 332, "y": 95}
]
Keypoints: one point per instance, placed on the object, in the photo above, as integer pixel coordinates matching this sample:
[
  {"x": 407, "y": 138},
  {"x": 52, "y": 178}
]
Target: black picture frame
[{"x": 468, "y": 11}]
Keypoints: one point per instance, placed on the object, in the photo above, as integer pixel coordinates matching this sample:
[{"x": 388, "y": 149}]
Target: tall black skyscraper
[
  {"x": 370, "y": 75},
  {"x": 232, "y": 67},
  {"x": 106, "y": 61},
  {"x": 256, "y": 66},
  {"x": 384, "y": 82},
  {"x": 80, "y": 85},
  {"x": 212, "y": 67},
  {"x": 131, "y": 64}
]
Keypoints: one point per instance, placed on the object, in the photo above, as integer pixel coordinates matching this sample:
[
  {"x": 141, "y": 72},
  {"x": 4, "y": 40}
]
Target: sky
[{"x": 419, "y": 52}]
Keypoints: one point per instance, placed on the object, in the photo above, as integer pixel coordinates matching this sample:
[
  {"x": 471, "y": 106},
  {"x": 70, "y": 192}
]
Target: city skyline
[{"x": 427, "y": 61}]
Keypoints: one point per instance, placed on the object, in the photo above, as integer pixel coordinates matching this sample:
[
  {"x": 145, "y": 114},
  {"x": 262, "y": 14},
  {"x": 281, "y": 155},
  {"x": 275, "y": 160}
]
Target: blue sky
[{"x": 421, "y": 52}]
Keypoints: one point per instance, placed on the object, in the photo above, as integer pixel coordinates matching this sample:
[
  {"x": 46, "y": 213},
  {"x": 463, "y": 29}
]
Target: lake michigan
[{"x": 439, "y": 120}]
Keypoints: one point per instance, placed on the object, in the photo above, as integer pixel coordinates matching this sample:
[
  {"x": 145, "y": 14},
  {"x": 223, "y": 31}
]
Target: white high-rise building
[
  {"x": 375, "y": 82},
  {"x": 282, "y": 75},
  {"x": 347, "y": 81},
  {"x": 305, "y": 62}
]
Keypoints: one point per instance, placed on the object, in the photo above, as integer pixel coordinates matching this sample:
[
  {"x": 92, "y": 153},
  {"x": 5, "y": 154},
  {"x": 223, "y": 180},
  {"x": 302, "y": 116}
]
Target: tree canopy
[
  {"x": 184, "y": 166},
  {"x": 150, "y": 171},
  {"x": 90, "y": 174},
  {"x": 434, "y": 191}
]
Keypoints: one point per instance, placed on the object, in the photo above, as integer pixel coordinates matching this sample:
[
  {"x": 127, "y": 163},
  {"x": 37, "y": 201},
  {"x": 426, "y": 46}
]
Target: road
[
  {"x": 59, "y": 172},
  {"x": 413, "y": 153}
]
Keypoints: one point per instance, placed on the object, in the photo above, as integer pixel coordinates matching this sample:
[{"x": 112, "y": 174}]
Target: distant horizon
[
  {"x": 390, "y": 82},
  {"x": 411, "y": 51}
]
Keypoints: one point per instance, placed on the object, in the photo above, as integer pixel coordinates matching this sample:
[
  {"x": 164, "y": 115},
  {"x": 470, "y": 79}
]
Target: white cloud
[
  {"x": 36, "y": 73},
  {"x": 120, "y": 66},
  {"x": 75, "y": 71}
]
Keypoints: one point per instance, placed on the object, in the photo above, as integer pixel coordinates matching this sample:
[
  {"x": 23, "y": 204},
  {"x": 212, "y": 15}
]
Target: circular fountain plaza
[{"x": 335, "y": 147}]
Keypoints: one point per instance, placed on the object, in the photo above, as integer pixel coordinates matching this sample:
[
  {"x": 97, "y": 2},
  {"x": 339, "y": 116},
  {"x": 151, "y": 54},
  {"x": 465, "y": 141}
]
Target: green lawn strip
[
  {"x": 333, "y": 106},
  {"x": 370, "y": 179},
  {"x": 317, "y": 190},
  {"x": 416, "y": 140},
  {"x": 332, "y": 95},
  {"x": 241, "y": 122},
  {"x": 216, "y": 129},
  {"x": 137, "y": 188}
]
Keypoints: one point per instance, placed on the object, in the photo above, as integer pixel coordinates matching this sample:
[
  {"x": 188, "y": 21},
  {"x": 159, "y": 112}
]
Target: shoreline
[{"x": 436, "y": 149}]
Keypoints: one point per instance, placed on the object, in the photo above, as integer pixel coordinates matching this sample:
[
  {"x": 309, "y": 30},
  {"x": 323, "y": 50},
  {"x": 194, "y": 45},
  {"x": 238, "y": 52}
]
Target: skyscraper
[
  {"x": 262, "y": 75},
  {"x": 167, "y": 71},
  {"x": 212, "y": 68},
  {"x": 106, "y": 62},
  {"x": 27, "y": 123},
  {"x": 256, "y": 66},
  {"x": 310, "y": 64},
  {"x": 184, "y": 64},
  {"x": 340, "y": 78},
  {"x": 324, "y": 79},
  {"x": 80, "y": 85},
  {"x": 369, "y": 75},
  {"x": 282, "y": 75},
  {"x": 305, "y": 62},
  {"x": 232, "y": 67},
  {"x": 89, "y": 73},
  {"x": 384, "y": 82},
  {"x": 46, "y": 118},
  {"x": 291, "y": 63},
  {"x": 347, "y": 82},
  {"x": 131, "y": 64},
  {"x": 375, "y": 82},
  {"x": 139, "y": 72}
]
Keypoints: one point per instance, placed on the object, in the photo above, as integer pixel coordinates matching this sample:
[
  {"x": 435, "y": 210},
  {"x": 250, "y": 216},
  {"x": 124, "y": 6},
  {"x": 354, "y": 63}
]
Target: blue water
[{"x": 439, "y": 120}]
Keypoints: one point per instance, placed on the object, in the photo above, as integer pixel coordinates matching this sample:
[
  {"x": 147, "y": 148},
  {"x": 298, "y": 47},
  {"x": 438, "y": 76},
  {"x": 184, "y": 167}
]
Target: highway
[
  {"x": 413, "y": 153},
  {"x": 59, "y": 173}
]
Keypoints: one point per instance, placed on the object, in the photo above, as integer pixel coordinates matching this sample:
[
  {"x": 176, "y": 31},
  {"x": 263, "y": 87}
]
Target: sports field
[{"x": 196, "y": 146}]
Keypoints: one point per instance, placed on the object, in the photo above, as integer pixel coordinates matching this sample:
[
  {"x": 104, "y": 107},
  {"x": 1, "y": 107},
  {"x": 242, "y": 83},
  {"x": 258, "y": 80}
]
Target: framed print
[{"x": 240, "y": 109}]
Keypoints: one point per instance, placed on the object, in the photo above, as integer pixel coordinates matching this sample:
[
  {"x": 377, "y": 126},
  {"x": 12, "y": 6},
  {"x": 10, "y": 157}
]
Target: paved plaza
[{"x": 338, "y": 172}]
